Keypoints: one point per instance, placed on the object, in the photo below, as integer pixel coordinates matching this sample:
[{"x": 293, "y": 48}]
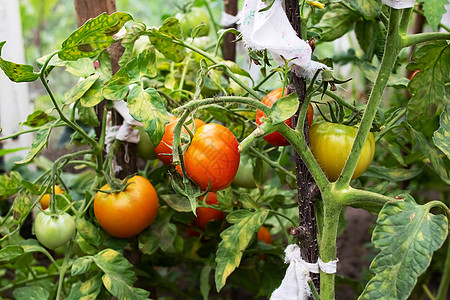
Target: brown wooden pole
[
  {"x": 87, "y": 9},
  {"x": 229, "y": 46}
]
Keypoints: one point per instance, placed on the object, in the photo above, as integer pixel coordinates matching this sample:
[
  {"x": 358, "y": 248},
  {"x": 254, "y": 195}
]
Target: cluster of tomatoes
[{"x": 211, "y": 160}]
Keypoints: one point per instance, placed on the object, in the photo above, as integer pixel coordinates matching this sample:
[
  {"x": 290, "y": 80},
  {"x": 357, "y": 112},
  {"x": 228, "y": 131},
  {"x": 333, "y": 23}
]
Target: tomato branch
[{"x": 414, "y": 39}]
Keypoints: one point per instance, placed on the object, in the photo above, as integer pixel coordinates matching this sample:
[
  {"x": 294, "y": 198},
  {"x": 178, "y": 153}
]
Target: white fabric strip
[
  {"x": 399, "y": 4},
  {"x": 122, "y": 109},
  {"x": 228, "y": 20},
  {"x": 271, "y": 30},
  {"x": 295, "y": 282}
]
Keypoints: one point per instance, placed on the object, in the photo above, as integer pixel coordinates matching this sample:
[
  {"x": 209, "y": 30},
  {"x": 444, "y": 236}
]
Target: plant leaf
[
  {"x": 116, "y": 88},
  {"x": 38, "y": 119},
  {"x": 39, "y": 142},
  {"x": 9, "y": 185},
  {"x": 143, "y": 65},
  {"x": 407, "y": 235},
  {"x": 441, "y": 137},
  {"x": 391, "y": 174},
  {"x": 83, "y": 67},
  {"x": 235, "y": 240},
  {"x": 31, "y": 293},
  {"x": 161, "y": 234},
  {"x": 284, "y": 108},
  {"x": 336, "y": 22},
  {"x": 93, "y": 95},
  {"x": 434, "y": 10},
  {"x": 77, "y": 91},
  {"x": 88, "y": 231},
  {"x": 369, "y": 8},
  {"x": 93, "y": 36},
  {"x": 10, "y": 253},
  {"x": 148, "y": 107},
  {"x": 161, "y": 39},
  {"x": 17, "y": 72},
  {"x": 86, "y": 289}
]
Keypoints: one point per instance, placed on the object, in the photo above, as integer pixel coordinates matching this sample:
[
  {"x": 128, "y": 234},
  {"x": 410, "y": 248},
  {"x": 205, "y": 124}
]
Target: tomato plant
[
  {"x": 212, "y": 156},
  {"x": 164, "y": 148},
  {"x": 126, "y": 213},
  {"x": 331, "y": 144},
  {"x": 275, "y": 138},
  {"x": 45, "y": 200},
  {"x": 54, "y": 230}
]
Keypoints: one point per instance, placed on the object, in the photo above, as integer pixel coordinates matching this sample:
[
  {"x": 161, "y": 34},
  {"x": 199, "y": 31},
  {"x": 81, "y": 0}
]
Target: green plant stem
[
  {"x": 65, "y": 266},
  {"x": 183, "y": 74},
  {"x": 363, "y": 199},
  {"x": 445, "y": 281},
  {"x": 19, "y": 133},
  {"x": 340, "y": 101},
  {"x": 392, "y": 48},
  {"x": 404, "y": 22},
  {"x": 256, "y": 87},
  {"x": 211, "y": 17},
  {"x": 28, "y": 280},
  {"x": 273, "y": 164},
  {"x": 414, "y": 39},
  {"x": 196, "y": 104},
  {"x": 327, "y": 243}
]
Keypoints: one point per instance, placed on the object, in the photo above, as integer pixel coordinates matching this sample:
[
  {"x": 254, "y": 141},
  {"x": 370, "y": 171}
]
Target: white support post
[{"x": 14, "y": 97}]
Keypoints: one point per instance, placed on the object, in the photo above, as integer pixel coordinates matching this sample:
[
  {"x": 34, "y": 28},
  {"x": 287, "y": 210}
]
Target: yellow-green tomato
[
  {"x": 144, "y": 147},
  {"x": 331, "y": 144},
  {"x": 193, "y": 18},
  {"x": 54, "y": 231},
  {"x": 245, "y": 176}
]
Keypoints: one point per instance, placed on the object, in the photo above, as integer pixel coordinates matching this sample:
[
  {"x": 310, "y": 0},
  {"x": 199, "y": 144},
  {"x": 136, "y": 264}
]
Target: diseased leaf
[
  {"x": 38, "y": 119},
  {"x": 335, "y": 23},
  {"x": 39, "y": 142},
  {"x": 9, "y": 185},
  {"x": 81, "y": 265},
  {"x": 93, "y": 95},
  {"x": 17, "y": 72},
  {"x": 88, "y": 231},
  {"x": 441, "y": 137},
  {"x": 93, "y": 36},
  {"x": 391, "y": 174},
  {"x": 117, "y": 88},
  {"x": 77, "y": 91},
  {"x": 427, "y": 87},
  {"x": 407, "y": 235},
  {"x": 87, "y": 116},
  {"x": 434, "y": 10},
  {"x": 160, "y": 234},
  {"x": 10, "y": 253},
  {"x": 235, "y": 240},
  {"x": 161, "y": 39},
  {"x": 143, "y": 65},
  {"x": 86, "y": 289},
  {"x": 21, "y": 207},
  {"x": 31, "y": 293},
  {"x": 205, "y": 286},
  {"x": 284, "y": 108},
  {"x": 148, "y": 107},
  {"x": 83, "y": 67}
]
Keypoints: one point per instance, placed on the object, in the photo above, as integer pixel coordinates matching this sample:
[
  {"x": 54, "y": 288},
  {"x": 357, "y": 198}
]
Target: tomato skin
[
  {"x": 163, "y": 150},
  {"x": 206, "y": 214},
  {"x": 193, "y": 18},
  {"x": 264, "y": 235},
  {"x": 275, "y": 138},
  {"x": 54, "y": 231},
  {"x": 244, "y": 176},
  {"x": 212, "y": 155},
  {"x": 45, "y": 200},
  {"x": 127, "y": 213},
  {"x": 144, "y": 147},
  {"x": 331, "y": 144}
]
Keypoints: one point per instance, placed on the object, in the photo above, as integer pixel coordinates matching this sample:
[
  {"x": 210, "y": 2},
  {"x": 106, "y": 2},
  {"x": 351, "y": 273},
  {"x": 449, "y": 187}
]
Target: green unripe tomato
[
  {"x": 331, "y": 144},
  {"x": 144, "y": 147},
  {"x": 245, "y": 176},
  {"x": 193, "y": 18},
  {"x": 54, "y": 231}
]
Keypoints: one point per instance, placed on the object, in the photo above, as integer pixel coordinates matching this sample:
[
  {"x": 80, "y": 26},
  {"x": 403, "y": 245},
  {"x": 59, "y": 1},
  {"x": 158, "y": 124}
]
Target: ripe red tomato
[
  {"x": 206, "y": 214},
  {"x": 45, "y": 200},
  {"x": 127, "y": 213},
  {"x": 212, "y": 156},
  {"x": 164, "y": 149},
  {"x": 264, "y": 235},
  {"x": 275, "y": 138},
  {"x": 331, "y": 144}
]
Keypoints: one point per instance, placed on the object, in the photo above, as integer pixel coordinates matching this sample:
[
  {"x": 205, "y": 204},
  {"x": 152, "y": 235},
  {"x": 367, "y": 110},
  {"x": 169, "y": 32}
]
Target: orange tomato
[
  {"x": 164, "y": 149},
  {"x": 275, "y": 138},
  {"x": 206, "y": 214},
  {"x": 45, "y": 200},
  {"x": 264, "y": 235},
  {"x": 212, "y": 156},
  {"x": 127, "y": 213}
]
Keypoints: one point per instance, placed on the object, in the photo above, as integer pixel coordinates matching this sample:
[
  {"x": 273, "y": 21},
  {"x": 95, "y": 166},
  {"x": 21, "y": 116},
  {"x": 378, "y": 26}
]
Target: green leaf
[
  {"x": 431, "y": 153},
  {"x": 31, "y": 293},
  {"x": 371, "y": 38},
  {"x": 161, "y": 39},
  {"x": 369, "y": 8},
  {"x": 427, "y": 87},
  {"x": 205, "y": 286},
  {"x": 391, "y": 174},
  {"x": 86, "y": 289},
  {"x": 434, "y": 10},
  {"x": 38, "y": 119},
  {"x": 284, "y": 108},
  {"x": 148, "y": 107},
  {"x": 177, "y": 202},
  {"x": 93, "y": 36},
  {"x": 93, "y": 95},
  {"x": 77, "y": 91},
  {"x": 81, "y": 265},
  {"x": 9, "y": 185},
  {"x": 21, "y": 207},
  {"x": 235, "y": 240},
  {"x": 143, "y": 65},
  {"x": 10, "y": 253},
  {"x": 160, "y": 234},
  {"x": 235, "y": 69},
  {"x": 39, "y": 142},
  {"x": 88, "y": 231},
  {"x": 407, "y": 235},
  {"x": 87, "y": 116},
  {"x": 336, "y": 22},
  {"x": 4, "y": 152},
  {"x": 84, "y": 245},
  {"x": 441, "y": 137},
  {"x": 17, "y": 72},
  {"x": 117, "y": 88},
  {"x": 370, "y": 72},
  {"x": 84, "y": 67}
]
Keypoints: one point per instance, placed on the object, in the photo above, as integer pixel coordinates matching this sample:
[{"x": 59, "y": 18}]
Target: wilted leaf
[
  {"x": 235, "y": 240},
  {"x": 407, "y": 235}
]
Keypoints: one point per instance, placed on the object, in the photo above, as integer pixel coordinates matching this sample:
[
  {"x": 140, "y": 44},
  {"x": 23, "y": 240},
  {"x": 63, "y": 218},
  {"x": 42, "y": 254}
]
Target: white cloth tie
[
  {"x": 399, "y": 4},
  {"x": 271, "y": 30},
  {"x": 295, "y": 282}
]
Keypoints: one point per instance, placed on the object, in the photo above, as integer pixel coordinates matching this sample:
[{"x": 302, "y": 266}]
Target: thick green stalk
[
  {"x": 414, "y": 39},
  {"x": 392, "y": 48},
  {"x": 445, "y": 280},
  {"x": 196, "y": 104}
]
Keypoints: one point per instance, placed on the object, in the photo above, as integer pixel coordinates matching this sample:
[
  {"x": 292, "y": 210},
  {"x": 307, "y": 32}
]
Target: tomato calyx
[{"x": 117, "y": 185}]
